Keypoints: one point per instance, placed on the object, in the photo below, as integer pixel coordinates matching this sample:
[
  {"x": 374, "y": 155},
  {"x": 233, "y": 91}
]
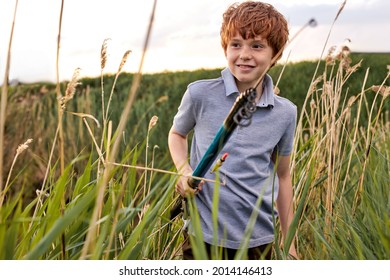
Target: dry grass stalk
[
  {"x": 337, "y": 124},
  {"x": 165, "y": 172},
  {"x": 40, "y": 193},
  {"x": 58, "y": 92},
  {"x": 371, "y": 129},
  {"x": 103, "y": 61},
  {"x": 105, "y": 113},
  {"x": 340, "y": 9},
  {"x": 4, "y": 96},
  {"x": 88, "y": 116},
  {"x": 109, "y": 135},
  {"x": 299, "y": 128},
  {"x": 122, "y": 63},
  {"x": 117, "y": 204},
  {"x": 101, "y": 157},
  {"x": 21, "y": 148},
  {"x": 152, "y": 123},
  {"x": 152, "y": 166}
]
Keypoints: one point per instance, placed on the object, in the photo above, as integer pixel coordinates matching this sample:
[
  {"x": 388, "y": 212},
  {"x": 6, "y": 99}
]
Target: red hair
[{"x": 251, "y": 19}]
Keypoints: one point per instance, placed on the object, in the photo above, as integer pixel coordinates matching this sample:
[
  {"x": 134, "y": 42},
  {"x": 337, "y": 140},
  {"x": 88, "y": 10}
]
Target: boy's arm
[
  {"x": 178, "y": 147},
  {"x": 284, "y": 202}
]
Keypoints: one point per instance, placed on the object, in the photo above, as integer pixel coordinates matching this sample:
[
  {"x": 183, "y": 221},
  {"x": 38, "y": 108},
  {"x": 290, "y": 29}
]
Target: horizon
[{"x": 15, "y": 82}]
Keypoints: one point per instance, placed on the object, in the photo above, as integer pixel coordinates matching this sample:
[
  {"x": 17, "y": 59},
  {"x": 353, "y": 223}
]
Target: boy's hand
[{"x": 184, "y": 189}]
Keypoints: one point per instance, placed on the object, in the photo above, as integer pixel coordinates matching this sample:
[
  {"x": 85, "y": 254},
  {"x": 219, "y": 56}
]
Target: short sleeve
[
  {"x": 184, "y": 121},
  {"x": 286, "y": 143}
]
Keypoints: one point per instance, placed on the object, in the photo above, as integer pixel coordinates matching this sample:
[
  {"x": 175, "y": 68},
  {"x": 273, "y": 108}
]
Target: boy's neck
[{"x": 259, "y": 91}]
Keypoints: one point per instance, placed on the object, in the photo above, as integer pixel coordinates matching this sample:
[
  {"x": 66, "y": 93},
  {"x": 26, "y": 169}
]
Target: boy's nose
[
  {"x": 245, "y": 57},
  {"x": 245, "y": 54}
]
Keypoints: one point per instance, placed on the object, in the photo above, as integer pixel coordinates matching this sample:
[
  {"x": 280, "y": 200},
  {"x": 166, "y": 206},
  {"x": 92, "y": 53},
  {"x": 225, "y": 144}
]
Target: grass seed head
[
  {"x": 351, "y": 100},
  {"x": 162, "y": 99},
  {"x": 124, "y": 59},
  {"x": 340, "y": 53},
  {"x": 152, "y": 122},
  {"x": 383, "y": 90},
  {"x": 23, "y": 147},
  {"x": 71, "y": 88},
  {"x": 103, "y": 54}
]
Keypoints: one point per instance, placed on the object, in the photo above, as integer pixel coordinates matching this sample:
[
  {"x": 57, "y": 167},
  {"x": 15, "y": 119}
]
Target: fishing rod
[{"x": 240, "y": 115}]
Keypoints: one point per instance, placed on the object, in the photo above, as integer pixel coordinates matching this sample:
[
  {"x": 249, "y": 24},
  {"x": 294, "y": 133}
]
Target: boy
[{"x": 253, "y": 35}]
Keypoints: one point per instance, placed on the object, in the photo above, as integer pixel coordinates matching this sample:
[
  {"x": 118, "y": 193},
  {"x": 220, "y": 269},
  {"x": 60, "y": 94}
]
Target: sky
[{"x": 185, "y": 34}]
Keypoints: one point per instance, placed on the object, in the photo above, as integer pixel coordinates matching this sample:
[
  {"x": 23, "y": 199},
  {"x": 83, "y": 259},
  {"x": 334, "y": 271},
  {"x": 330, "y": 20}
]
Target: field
[{"x": 96, "y": 180}]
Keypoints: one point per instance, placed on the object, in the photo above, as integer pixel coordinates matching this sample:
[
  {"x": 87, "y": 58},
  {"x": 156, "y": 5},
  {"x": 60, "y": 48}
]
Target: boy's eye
[{"x": 257, "y": 46}]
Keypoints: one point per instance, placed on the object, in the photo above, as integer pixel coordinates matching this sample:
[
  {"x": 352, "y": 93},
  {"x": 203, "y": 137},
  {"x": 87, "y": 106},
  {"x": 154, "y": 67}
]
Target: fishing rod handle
[{"x": 193, "y": 183}]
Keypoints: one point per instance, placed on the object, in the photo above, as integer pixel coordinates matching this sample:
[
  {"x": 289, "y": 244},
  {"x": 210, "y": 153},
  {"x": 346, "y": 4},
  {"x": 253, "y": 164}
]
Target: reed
[
  {"x": 4, "y": 97},
  {"x": 334, "y": 146},
  {"x": 19, "y": 150},
  {"x": 59, "y": 94},
  {"x": 152, "y": 123}
]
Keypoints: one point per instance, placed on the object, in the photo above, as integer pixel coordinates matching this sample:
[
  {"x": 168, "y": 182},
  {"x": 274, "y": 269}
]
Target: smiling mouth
[{"x": 245, "y": 67}]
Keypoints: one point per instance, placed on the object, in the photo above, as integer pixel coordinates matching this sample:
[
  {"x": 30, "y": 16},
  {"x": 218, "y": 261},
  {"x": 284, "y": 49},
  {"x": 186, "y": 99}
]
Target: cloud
[{"x": 366, "y": 12}]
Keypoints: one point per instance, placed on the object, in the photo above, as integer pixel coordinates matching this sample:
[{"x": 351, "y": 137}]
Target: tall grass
[
  {"x": 116, "y": 196},
  {"x": 106, "y": 177},
  {"x": 334, "y": 162}
]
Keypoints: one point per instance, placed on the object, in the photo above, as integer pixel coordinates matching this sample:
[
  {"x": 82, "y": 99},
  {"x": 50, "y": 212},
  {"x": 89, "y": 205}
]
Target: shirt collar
[
  {"x": 229, "y": 81},
  {"x": 267, "y": 98}
]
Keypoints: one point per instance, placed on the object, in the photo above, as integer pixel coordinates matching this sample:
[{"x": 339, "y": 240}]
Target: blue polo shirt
[{"x": 248, "y": 170}]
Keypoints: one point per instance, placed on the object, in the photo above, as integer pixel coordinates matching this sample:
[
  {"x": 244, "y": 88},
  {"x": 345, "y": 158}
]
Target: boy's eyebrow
[
  {"x": 255, "y": 40},
  {"x": 259, "y": 39}
]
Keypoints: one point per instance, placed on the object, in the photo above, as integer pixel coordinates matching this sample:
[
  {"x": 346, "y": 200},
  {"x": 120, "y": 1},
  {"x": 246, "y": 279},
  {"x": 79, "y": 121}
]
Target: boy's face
[{"x": 248, "y": 59}]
